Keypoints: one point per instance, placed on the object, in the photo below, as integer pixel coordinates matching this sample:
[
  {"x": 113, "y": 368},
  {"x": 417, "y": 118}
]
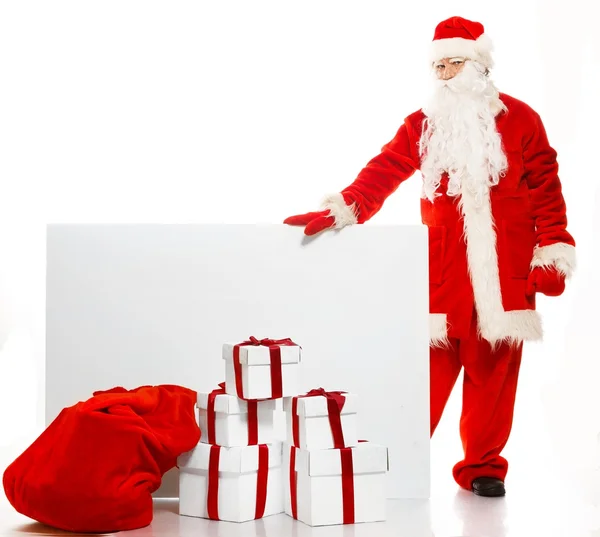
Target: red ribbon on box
[
  {"x": 261, "y": 480},
  {"x": 275, "y": 357},
  {"x": 212, "y": 501},
  {"x": 293, "y": 483},
  {"x": 210, "y": 412},
  {"x": 335, "y": 404},
  {"x": 347, "y": 485},
  {"x": 210, "y": 417},
  {"x": 252, "y": 423}
]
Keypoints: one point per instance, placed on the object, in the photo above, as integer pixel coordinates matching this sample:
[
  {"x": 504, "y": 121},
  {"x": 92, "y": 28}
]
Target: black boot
[{"x": 488, "y": 486}]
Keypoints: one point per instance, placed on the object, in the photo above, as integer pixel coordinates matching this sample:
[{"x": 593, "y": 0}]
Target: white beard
[{"x": 460, "y": 136}]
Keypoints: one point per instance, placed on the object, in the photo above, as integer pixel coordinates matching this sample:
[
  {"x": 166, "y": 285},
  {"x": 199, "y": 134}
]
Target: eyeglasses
[{"x": 456, "y": 62}]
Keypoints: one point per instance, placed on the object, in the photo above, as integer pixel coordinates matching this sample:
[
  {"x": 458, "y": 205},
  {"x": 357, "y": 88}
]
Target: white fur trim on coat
[
  {"x": 559, "y": 255},
  {"x": 344, "y": 214},
  {"x": 479, "y": 50},
  {"x": 514, "y": 327},
  {"x": 495, "y": 324},
  {"x": 438, "y": 330}
]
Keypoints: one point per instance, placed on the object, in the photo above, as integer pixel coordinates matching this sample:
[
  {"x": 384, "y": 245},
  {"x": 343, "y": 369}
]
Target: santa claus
[{"x": 496, "y": 217}]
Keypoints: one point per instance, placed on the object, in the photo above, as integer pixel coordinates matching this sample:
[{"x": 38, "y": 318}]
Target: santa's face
[{"x": 448, "y": 68}]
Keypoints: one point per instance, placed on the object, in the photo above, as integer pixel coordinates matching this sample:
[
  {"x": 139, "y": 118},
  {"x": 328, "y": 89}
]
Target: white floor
[
  {"x": 457, "y": 514},
  {"x": 538, "y": 503}
]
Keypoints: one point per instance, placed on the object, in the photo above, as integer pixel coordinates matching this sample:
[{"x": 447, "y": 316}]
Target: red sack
[{"x": 95, "y": 467}]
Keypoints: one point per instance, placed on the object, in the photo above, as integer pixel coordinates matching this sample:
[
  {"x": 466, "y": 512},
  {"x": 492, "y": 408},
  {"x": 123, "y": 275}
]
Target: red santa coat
[{"x": 480, "y": 255}]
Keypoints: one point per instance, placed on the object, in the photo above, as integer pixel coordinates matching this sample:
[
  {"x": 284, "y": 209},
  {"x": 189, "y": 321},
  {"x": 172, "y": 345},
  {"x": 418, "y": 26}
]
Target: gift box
[
  {"x": 262, "y": 369},
  {"x": 321, "y": 420},
  {"x": 228, "y": 421},
  {"x": 336, "y": 486},
  {"x": 234, "y": 484}
]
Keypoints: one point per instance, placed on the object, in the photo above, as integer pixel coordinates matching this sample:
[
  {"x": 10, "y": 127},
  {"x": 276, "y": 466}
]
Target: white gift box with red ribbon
[
  {"x": 322, "y": 420},
  {"x": 336, "y": 486},
  {"x": 228, "y": 421},
  {"x": 233, "y": 484},
  {"x": 262, "y": 369}
]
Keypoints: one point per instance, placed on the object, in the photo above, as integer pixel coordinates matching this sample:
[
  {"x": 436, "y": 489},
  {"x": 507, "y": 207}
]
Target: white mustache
[{"x": 469, "y": 80}]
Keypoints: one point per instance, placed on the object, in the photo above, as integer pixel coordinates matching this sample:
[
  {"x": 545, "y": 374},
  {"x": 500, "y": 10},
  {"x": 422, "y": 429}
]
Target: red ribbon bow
[
  {"x": 335, "y": 404},
  {"x": 266, "y": 342},
  {"x": 275, "y": 358},
  {"x": 347, "y": 462},
  {"x": 212, "y": 500},
  {"x": 210, "y": 417},
  {"x": 337, "y": 397}
]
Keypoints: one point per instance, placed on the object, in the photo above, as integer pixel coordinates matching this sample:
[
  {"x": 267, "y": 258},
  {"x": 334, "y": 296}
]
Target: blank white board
[{"x": 129, "y": 305}]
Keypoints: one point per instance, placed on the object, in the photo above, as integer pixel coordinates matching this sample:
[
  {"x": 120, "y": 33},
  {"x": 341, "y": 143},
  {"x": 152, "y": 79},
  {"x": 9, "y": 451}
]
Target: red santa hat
[{"x": 458, "y": 37}]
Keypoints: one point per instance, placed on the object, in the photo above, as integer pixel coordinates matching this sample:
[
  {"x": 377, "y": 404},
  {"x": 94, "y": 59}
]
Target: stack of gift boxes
[{"x": 322, "y": 474}]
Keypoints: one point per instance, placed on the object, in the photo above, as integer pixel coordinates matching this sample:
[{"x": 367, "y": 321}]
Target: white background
[{"x": 250, "y": 111}]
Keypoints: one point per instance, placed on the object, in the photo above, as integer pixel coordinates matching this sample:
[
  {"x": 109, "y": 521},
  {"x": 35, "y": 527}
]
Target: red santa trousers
[{"x": 489, "y": 390}]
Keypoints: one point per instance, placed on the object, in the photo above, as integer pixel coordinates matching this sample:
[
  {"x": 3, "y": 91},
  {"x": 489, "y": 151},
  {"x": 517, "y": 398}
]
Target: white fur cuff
[
  {"x": 344, "y": 214},
  {"x": 558, "y": 255}
]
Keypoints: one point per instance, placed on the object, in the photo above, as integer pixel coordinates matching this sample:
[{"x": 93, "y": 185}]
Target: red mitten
[
  {"x": 315, "y": 222},
  {"x": 548, "y": 281},
  {"x": 96, "y": 465}
]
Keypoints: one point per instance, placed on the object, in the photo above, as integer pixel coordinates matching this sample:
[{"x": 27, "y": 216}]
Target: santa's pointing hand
[
  {"x": 315, "y": 222},
  {"x": 337, "y": 212}
]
